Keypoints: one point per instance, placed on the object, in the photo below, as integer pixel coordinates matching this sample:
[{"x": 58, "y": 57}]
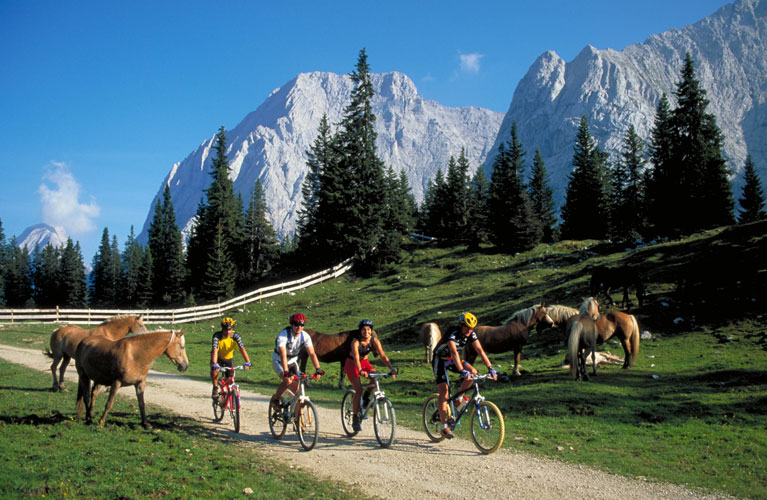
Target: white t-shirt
[{"x": 291, "y": 343}]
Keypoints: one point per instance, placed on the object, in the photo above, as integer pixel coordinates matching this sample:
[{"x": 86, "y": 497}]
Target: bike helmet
[
  {"x": 365, "y": 322},
  {"x": 298, "y": 319},
  {"x": 467, "y": 319},
  {"x": 228, "y": 322}
]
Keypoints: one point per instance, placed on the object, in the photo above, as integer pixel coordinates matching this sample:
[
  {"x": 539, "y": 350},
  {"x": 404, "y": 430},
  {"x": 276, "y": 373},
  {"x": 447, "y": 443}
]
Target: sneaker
[
  {"x": 356, "y": 426},
  {"x": 214, "y": 394},
  {"x": 447, "y": 433}
]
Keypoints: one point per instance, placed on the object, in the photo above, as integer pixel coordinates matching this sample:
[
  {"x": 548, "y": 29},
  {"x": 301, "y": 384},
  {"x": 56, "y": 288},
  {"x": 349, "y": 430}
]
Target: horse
[
  {"x": 559, "y": 315},
  {"x": 604, "y": 279},
  {"x": 330, "y": 349},
  {"x": 511, "y": 336},
  {"x": 582, "y": 342},
  {"x": 429, "y": 336},
  {"x": 65, "y": 340},
  {"x": 122, "y": 362},
  {"x": 625, "y": 327}
]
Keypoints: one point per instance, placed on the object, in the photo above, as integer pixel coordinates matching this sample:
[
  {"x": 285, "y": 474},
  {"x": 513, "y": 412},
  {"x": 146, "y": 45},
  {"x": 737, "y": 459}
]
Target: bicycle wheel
[
  {"x": 347, "y": 413},
  {"x": 487, "y": 427},
  {"x": 384, "y": 422},
  {"x": 431, "y": 422},
  {"x": 277, "y": 423},
  {"x": 218, "y": 408},
  {"x": 307, "y": 425},
  {"x": 234, "y": 409}
]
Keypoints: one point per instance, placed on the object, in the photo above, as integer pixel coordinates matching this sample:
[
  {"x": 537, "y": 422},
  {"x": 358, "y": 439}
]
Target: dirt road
[{"x": 413, "y": 468}]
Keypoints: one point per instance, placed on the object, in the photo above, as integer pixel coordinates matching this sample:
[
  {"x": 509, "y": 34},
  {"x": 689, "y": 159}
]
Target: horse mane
[
  {"x": 560, "y": 313},
  {"x": 522, "y": 316},
  {"x": 115, "y": 318},
  {"x": 584, "y": 309}
]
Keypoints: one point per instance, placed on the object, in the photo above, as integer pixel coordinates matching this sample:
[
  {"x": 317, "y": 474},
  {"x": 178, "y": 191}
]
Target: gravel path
[{"x": 413, "y": 468}]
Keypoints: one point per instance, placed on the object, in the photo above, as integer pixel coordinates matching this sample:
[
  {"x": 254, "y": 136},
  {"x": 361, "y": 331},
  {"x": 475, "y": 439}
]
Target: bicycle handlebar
[{"x": 379, "y": 374}]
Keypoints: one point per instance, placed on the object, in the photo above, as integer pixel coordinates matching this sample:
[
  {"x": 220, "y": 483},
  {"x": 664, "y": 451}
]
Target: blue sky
[{"x": 99, "y": 99}]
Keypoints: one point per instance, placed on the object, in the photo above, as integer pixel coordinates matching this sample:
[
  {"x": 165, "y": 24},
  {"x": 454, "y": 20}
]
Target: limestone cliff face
[{"x": 616, "y": 89}]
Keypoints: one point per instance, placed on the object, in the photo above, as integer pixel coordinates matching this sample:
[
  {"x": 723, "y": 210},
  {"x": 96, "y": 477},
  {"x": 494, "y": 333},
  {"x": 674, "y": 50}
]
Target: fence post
[{"x": 57, "y": 314}]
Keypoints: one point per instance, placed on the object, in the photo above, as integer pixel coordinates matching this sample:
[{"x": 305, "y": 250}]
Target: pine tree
[
  {"x": 398, "y": 219},
  {"x": 752, "y": 203},
  {"x": 144, "y": 291},
  {"x": 261, "y": 244},
  {"x": 478, "y": 211},
  {"x": 219, "y": 275},
  {"x": 132, "y": 257},
  {"x": 513, "y": 227},
  {"x": 17, "y": 276},
  {"x": 542, "y": 199},
  {"x": 167, "y": 255},
  {"x": 3, "y": 260},
  {"x": 102, "y": 285},
  {"x": 46, "y": 274},
  {"x": 432, "y": 216},
  {"x": 72, "y": 281},
  {"x": 221, "y": 206},
  {"x": 627, "y": 214}
]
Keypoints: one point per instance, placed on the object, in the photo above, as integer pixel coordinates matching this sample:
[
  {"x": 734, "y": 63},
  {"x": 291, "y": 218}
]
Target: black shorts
[
  {"x": 226, "y": 363},
  {"x": 440, "y": 367}
]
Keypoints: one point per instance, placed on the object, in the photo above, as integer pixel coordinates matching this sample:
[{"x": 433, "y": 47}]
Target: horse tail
[
  {"x": 634, "y": 340},
  {"x": 573, "y": 345},
  {"x": 429, "y": 336},
  {"x": 47, "y": 352}
]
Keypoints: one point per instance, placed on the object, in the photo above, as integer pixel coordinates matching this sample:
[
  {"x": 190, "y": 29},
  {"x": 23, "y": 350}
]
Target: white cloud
[
  {"x": 60, "y": 204},
  {"x": 470, "y": 62}
]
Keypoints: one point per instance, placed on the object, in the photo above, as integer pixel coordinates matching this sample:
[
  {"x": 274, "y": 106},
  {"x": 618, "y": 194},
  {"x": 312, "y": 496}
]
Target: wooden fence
[{"x": 172, "y": 316}]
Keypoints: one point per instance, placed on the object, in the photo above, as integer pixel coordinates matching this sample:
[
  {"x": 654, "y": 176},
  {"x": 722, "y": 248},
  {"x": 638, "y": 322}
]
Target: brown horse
[
  {"x": 330, "y": 349},
  {"x": 511, "y": 336},
  {"x": 65, "y": 340},
  {"x": 604, "y": 279},
  {"x": 124, "y": 362},
  {"x": 582, "y": 342},
  {"x": 429, "y": 336},
  {"x": 625, "y": 327}
]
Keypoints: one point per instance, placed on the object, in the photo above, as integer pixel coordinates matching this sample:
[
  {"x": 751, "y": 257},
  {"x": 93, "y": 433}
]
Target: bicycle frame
[
  {"x": 228, "y": 386},
  {"x": 474, "y": 401},
  {"x": 377, "y": 393}
]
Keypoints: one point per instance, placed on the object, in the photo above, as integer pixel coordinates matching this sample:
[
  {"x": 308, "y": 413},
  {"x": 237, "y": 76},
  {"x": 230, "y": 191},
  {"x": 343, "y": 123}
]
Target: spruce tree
[
  {"x": 261, "y": 244},
  {"x": 46, "y": 275},
  {"x": 585, "y": 211},
  {"x": 132, "y": 257},
  {"x": 17, "y": 276},
  {"x": 221, "y": 206},
  {"x": 433, "y": 219},
  {"x": 478, "y": 211},
  {"x": 72, "y": 281},
  {"x": 167, "y": 254},
  {"x": 144, "y": 291},
  {"x": 399, "y": 218},
  {"x": 627, "y": 214},
  {"x": 102, "y": 290},
  {"x": 457, "y": 227},
  {"x": 752, "y": 202},
  {"x": 512, "y": 224},
  {"x": 219, "y": 275},
  {"x": 319, "y": 157},
  {"x": 542, "y": 199}
]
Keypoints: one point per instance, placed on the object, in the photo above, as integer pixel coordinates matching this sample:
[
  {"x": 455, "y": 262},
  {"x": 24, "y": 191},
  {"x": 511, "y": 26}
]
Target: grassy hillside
[{"x": 692, "y": 411}]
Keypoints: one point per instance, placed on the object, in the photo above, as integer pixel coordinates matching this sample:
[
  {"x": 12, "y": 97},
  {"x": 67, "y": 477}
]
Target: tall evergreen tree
[
  {"x": 478, "y": 209},
  {"x": 46, "y": 276},
  {"x": 144, "y": 291},
  {"x": 398, "y": 219},
  {"x": 261, "y": 244},
  {"x": 512, "y": 224},
  {"x": 17, "y": 276},
  {"x": 319, "y": 157},
  {"x": 72, "y": 282},
  {"x": 752, "y": 206},
  {"x": 627, "y": 214},
  {"x": 221, "y": 206},
  {"x": 663, "y": 180},
  {"x": 542, "y": 198},
  {"x": 102, "y": 283},
  {"x": 585, "y": 211},
  {"x": 4, "y": 253},
  {"x": 167, "y": 254},
  {"x": 219, "y": 275},
  {"x": 132, "y": 257}
]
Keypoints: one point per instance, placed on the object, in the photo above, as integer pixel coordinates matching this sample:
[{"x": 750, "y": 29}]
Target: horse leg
[
  {"x": 83, "y": 397},
  {"x": 65, "y": 359},
  {"x": 140, "y": 387},
  {"x": 112, "y": 393},
  {"x": 54, "y": 365},
  {"x": 626, "y": 343},
  {"x": 594, "y": 360},
  {"x": 517, "y": 357},
  {"x": 94, "y": 394},
  {"x": 341, "y": 375},
  {"x": 626, "y": 300}
]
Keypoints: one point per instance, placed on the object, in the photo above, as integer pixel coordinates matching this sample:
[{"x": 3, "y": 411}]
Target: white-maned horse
[{"x": 429, "y": 336}]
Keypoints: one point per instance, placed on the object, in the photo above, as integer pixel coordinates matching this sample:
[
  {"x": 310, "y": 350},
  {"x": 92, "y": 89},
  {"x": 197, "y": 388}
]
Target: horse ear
[{"x": 180, "y": 333}]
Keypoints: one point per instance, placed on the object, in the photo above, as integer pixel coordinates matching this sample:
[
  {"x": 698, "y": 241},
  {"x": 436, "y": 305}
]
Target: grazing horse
[
  {"x": 511, "y": 336},
  {"x": 429, "y": 336},
  {"x": 330, "y": 349},
  {"x": 559, "y": 316},
  {"x": 124, "y": 362},
  {"x": 604, "y": 279},
  {"x": 65, "y": 340}
]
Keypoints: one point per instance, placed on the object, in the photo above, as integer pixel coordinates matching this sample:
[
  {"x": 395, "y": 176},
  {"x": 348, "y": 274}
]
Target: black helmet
[{"x": 365, "y": 322}]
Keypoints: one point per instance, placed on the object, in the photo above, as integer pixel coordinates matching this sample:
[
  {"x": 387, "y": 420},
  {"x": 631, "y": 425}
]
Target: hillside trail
[{"x": 413, "y": 468}]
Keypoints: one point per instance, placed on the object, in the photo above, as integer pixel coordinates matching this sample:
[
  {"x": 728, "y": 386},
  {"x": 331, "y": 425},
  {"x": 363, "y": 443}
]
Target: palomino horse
[
  {"x": 559, "y": 315},
  {"x": 124, "y": 362},
  {"x": 582, "y": 338},
  {"x": 65, "y": 340},
  {"x": 429, "y": 336},
  {"x": 604, "y": 279},
  {"x": 330, "y": 349},
  {"x": 508, "y": 337}
]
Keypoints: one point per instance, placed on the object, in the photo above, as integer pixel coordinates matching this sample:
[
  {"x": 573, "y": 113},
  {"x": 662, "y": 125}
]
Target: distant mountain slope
[
  {"x": 414, "y": 135},
  {"x": 615, "y": 89},
  {"x": 41, "y": 235}
]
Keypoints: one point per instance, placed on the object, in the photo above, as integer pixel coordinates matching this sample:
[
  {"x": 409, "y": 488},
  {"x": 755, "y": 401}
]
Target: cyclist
[
  {"x": 357, "y": 364},
  {"x": 447, "y": 357},
  {"x": 222, "y": 352},
  {"x": 285, "y": 356}
]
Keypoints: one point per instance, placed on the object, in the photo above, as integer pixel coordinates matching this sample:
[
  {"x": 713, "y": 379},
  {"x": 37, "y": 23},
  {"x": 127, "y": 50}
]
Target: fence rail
[{"x": 172, "y": 316}]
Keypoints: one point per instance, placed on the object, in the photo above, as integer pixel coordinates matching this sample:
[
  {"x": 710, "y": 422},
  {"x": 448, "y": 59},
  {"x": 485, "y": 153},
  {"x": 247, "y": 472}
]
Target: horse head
[
  {"x": 541, "y": 315},
  {"x": 590, "y": 308},
  {"x": 176, "y": 350},
  {"x": 138, "y": 325}
]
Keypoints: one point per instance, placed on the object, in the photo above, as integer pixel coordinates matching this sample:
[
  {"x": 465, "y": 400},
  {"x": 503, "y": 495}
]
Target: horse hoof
[
  {"x": 63, "y": 389},
  {"x": 147, "y": 426}
]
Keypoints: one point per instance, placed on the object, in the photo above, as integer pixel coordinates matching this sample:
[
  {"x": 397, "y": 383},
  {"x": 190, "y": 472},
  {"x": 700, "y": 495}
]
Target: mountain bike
[
  {"x": 487, "y": 426},
  {"x": 297, "y": 410},
  {"x": 228, "y": 397},
  {"x": 384, "y": 421}
]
